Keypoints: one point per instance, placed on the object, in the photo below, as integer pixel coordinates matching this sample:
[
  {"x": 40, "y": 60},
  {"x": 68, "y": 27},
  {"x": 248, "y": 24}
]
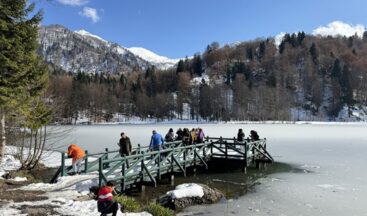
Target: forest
[{"x": 254, "y": 80}]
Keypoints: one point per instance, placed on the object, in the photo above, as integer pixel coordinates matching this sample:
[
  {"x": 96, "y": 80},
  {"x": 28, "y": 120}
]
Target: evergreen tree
[
  {"x": 262, "y": 48},
  {"x": 314, "y": 53},
  {"x": 180, "y": 66},
  {"x": 23, "y": 78},
  {"x": 347, "y": 91},
  {"x": 197, "y": 65}
]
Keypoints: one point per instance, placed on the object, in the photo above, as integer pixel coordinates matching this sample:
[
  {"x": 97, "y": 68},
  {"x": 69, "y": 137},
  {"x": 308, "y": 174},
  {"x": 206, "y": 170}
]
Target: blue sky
[{"x": 178, "y": 28}]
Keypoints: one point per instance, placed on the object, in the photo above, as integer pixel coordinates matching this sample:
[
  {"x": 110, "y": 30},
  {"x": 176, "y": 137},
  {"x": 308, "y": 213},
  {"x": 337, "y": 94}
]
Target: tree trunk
[{"x": 3, "y": 137}]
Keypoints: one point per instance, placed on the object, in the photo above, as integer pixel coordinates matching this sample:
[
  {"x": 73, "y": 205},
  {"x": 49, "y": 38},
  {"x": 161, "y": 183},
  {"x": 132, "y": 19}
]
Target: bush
[
  {"x": 158, "y": 210},
  {"x": 128, "y": 204}
]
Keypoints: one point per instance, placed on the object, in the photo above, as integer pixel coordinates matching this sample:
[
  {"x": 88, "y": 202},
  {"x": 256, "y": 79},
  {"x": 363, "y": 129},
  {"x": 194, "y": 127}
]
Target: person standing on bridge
[
  {"x": 169, "y": 136},
  {"x": 240, "y": 135},
  {"x": 125, "y": 145},
  {"x": 254, "y": 136},
  {"x": 105, "y": 203},
  {"x": 201, "y": 136},
  {"x": 77, "y": 154},
  {"x": 156, "y": 141}
]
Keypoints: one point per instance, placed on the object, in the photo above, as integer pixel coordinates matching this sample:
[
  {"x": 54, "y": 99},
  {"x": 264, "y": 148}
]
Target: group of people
[
  {"x": 254, "y": 136},
  {"x": 196, "y": 135}
]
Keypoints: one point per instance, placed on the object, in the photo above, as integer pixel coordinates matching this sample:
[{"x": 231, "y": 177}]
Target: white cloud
[
  {"x": 338, "y": 28},
  {"x": 90, "y": 13},
  {"x": 73, "y": 2}
]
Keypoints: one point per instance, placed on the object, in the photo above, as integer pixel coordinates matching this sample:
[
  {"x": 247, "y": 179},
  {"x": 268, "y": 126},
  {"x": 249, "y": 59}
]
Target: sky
[{"x": 179, "y": 28}]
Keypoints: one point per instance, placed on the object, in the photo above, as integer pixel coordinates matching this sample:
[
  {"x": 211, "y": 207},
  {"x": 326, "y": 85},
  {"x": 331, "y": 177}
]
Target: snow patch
[
  {"x": 278, "y": 39},
  {"x": 186, "y": 190},
  {"x": 160, "y": 61},
  {"x": 85, "y": 33}
]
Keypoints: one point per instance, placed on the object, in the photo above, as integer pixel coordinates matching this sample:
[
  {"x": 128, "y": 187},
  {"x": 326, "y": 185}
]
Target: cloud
[
  {"x": 338, "y": 28},
  {"x": 90, "y": 13},
  {"x": 73, "y": 2}
]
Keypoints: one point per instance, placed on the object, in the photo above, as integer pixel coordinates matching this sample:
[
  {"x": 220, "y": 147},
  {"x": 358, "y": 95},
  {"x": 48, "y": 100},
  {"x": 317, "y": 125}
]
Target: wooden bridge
[{"x": 145, "y": 166}]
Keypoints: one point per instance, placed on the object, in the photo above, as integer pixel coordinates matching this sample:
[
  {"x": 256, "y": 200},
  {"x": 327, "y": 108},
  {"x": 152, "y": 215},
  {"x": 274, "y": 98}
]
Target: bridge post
[
  {"x": 184, "y": 160},
  {"x": 122, "y": 185},
  {"x": 244, "y": 169},
  {"x": 226, "y": 150},
  {"x": 159, "y": 164},
  {"x": 62, "y": 164},
  {"x": 106, "y": 158},
  {"x": 211, "y": 147},
  {"x": 142, "y": 168},
  {"x": 265, "y": 143},
  {"x": 100, "y": 172},
  {"x": 220, "y": 141},
  {"x": 86, "y": 162},
  {"x": 138, "y": 149}
]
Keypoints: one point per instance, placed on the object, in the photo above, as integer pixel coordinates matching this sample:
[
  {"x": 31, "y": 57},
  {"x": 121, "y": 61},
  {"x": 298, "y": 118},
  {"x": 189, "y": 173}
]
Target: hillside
[{"x": 293, "y": 77}]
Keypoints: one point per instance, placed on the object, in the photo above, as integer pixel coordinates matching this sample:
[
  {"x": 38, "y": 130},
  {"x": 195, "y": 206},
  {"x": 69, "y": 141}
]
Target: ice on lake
[{"x": 332, "y": 159}]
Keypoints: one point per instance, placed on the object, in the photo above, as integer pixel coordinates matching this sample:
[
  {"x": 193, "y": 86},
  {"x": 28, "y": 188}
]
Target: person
[
  {"x": 77, "y": 154},
  {"x": 186, "y": 136},
  {"x": 169, "y": 136},
  {"x": 105, "y": 203},
  {"x": 125, "y": 145},
  {"x": 201, "y": 136},
  {"x": 156, "y": 141},
  {"x": 254, "y": 136},
  {"x": 179, "y": 134},
  {"x": 240, "y": 135},
  {"x": 193, "y": 136}
]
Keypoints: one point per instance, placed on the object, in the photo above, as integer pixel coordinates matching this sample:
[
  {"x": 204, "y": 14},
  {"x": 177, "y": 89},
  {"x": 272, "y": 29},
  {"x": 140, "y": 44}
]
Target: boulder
[{"x": 187, "y": 194}]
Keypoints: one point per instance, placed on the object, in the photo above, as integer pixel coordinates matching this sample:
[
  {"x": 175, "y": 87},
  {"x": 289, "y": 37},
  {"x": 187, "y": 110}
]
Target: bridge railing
[{"x": 149, "y": 166}]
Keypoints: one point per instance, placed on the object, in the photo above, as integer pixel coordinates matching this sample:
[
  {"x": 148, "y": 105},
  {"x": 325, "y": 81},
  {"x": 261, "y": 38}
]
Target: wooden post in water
[
  {"x": 245, "y": 158},
  {"x": 86, "y": 162}
]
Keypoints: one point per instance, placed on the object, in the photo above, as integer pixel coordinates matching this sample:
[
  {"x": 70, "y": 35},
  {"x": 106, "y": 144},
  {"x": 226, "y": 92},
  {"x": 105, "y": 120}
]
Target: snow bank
[
  {"x": 186, "y": 190},
  {"x": 79, "y": 183}
]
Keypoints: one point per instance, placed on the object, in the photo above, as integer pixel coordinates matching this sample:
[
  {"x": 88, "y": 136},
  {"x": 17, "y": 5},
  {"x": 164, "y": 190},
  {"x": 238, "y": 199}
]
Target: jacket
[
  {"x": 156, "y": 140},
  {"x": 104, "y": 199},
  {"x": 125, "y": 146},
  {"x": 75, "y": 152}
]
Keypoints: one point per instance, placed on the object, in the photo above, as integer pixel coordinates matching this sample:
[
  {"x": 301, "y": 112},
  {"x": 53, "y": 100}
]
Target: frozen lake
[{"x": 332, "y": 158}]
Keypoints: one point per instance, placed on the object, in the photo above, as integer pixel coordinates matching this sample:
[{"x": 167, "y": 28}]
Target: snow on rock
[
  {"x": 19, "y": 179},
  {"x": 198, "y": 80},
  {"x": 85, "y": 33},
  {"x": 161, "y": 62},
  {"x": 186, "y": 190},
  {"x": 8, "y": 163}
]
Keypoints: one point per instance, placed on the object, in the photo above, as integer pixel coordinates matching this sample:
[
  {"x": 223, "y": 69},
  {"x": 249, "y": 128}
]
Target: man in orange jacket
[{"x": 77, "y": 154}]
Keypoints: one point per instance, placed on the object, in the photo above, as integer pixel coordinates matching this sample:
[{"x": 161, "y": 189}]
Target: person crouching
[
  {"x": 77, "y": 154},
  {"x": 105, "y": 203}
]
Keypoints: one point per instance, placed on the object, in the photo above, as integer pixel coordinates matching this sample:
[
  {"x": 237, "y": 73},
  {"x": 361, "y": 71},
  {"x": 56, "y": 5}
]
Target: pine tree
[
  {"x": 314, "y": 53},
  {"x": 23, "y": 77},
  {"x": 180, "y": 66}
]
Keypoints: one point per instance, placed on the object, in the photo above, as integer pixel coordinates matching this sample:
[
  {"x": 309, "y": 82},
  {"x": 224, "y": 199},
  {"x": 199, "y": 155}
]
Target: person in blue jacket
[{"x": 156, "y": 141}]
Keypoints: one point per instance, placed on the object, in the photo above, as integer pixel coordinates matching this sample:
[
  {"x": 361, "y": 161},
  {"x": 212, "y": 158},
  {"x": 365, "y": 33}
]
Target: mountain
[
  {"x": 82, "y": 51},
  {"x": 161, "y": 62}
]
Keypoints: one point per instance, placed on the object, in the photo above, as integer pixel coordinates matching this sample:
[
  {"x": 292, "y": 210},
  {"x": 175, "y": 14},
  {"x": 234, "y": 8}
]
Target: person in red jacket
[
  {"x": 77, "y": 154},
  {"x": 105, "y": 203}
]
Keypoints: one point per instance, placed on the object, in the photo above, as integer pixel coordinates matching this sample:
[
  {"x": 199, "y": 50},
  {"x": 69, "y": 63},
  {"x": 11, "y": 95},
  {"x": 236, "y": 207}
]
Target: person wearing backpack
[{"x": 240, "y": 135}]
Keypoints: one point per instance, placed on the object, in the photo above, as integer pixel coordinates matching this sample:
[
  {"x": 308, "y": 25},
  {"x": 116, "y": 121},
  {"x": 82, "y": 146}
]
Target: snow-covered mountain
[
  {"x": 82, "y": 51},
  {"x": 157, "y": 60}
]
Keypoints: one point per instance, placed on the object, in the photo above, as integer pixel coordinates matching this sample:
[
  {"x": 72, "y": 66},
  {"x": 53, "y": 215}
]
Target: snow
[
  {"x": 278, "y": 39},
  {"x": 339, "y": 28},
  {"x": 186, "y": 190},
  {"x": 19, "y": 179},
  {"x": 160, "y": 61},
  {"x": 62, "y": 194},
  {"x": 85, "y": 33},
  {"x": 198, "y": 80}
]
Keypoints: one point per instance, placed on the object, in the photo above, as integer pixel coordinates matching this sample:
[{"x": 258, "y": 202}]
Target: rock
[{"x": 210, "y": 196}]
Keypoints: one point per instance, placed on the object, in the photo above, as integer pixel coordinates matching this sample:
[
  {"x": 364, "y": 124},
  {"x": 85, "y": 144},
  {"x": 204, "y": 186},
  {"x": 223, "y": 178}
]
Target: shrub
[
  {"x": 128, "y": 204},
  {"x": 158, "y": 210}
]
